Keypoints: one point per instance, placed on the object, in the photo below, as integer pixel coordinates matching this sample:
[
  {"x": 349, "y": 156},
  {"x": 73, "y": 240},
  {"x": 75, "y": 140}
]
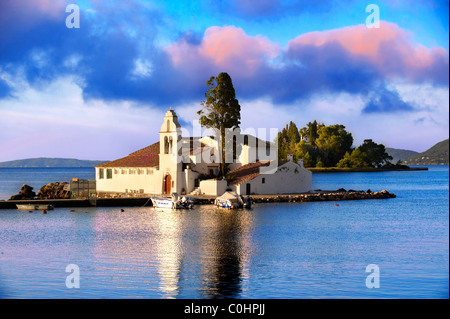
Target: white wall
[
  {"x": 213, "y": 187},
  {"x": 289, "y": 178},
  {"x": 129, "y": 182}
]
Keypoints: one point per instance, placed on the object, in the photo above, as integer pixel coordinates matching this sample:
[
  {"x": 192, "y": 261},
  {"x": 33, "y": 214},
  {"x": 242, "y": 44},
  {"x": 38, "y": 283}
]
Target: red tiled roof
[
  {"x": 249, "y": 171},
  {"x": 146, "y": 157}
]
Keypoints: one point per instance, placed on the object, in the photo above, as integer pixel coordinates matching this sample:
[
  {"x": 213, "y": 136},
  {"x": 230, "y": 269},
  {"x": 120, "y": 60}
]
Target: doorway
[
  {"x": 168, "y": 184},
  {"x": 247, "y": 190}
]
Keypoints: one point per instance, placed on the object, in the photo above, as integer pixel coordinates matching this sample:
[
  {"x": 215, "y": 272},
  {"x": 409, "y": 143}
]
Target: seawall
[{"x": 206, "y": 200}]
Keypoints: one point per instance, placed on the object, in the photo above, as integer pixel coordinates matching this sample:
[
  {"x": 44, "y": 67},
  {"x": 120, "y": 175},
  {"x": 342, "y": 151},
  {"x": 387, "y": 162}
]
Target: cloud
[
  {"x": 227, "y": 48},
  {"x": 384, "y": 101},
  {"x": 117, "y": 56},
  {"x": 389, "y": 49},
  {"x": 29, "y": 13},
  {"x": 55, "y": 121}
]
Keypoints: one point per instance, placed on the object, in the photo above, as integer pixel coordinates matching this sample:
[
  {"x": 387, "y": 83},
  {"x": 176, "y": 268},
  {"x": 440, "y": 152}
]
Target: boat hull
[
  {"x": 34, "y": 207},
  {"x": 168, "y": 203}
]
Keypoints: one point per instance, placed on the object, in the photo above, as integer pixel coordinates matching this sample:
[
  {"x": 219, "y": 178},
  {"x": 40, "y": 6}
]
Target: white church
[{"x": 187, "y": 165}]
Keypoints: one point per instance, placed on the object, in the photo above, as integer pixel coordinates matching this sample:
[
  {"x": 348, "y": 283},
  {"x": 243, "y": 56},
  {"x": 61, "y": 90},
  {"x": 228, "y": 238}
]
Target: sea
[{"x": 395, "y": 248}]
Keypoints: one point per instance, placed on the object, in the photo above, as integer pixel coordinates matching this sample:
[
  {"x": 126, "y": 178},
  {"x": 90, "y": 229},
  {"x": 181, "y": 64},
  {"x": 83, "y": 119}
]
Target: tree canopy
[
  {"x": 320, "y": 145},
  {"x": 221, "y": 109}
]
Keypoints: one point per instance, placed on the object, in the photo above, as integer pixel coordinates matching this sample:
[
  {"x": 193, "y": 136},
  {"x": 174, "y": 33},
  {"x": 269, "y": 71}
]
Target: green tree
[
  {"x": 305, "y": 151},
  {"x": 283, "y": 142},
  {"x": 310, "y": 132},
  {"x": 221, "y": 109},
  {"x": 293, "y": 135},
  {"x": 355, "y": 159},
  {"x": 333, "y": 142},
  {"x": 287, "y": 140},
  {"x": 346, "y": 161},
  {"x": 376, "y": 153}
]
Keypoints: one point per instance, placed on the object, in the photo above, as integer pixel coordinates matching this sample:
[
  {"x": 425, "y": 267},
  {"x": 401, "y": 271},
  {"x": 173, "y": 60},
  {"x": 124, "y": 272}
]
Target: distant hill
[
  {"x": 436, "y": 155},
  {"x": 399, "y": 154},
  {"x": 51, "y": 162}
]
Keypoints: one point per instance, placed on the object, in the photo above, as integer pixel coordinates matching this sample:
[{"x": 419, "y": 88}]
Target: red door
[{"x": 168, "y": 184}]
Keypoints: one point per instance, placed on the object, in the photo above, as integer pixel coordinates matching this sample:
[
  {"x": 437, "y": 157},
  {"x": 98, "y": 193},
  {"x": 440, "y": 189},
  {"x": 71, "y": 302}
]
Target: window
[
  {"x": 263, "y": 180},
  {"x": 102, "y": 173},
  {"x": 234, "y": 148},
  {"x": 109, "y": 173},
  {"x": 166, "y": 145}
]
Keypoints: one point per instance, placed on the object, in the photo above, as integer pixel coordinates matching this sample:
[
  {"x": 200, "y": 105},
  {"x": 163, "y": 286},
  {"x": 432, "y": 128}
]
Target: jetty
[{"x": 315, "y": 196}]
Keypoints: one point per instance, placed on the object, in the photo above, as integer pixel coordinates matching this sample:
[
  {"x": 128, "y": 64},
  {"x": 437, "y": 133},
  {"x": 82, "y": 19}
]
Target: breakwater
[{"x": 207, "y": 200}]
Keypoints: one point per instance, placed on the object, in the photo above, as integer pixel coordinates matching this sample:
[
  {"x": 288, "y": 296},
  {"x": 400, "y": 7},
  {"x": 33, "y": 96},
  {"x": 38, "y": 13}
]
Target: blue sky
[{"x": 100, "y": 91}]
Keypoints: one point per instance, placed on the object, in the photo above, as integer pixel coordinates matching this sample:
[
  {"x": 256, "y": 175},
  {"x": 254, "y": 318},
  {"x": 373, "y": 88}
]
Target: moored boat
[
  {"x": 229, "y": 200},
  {"x": 173, "y": 202},
  {"x": 34, "y": 206},
  {"x": 232, "y": 200}
]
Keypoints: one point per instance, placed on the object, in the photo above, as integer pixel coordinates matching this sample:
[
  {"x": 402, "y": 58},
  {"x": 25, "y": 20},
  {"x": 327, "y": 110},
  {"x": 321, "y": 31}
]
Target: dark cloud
[
  {"x": 383, "y": 100},
  {"x": 114, "y": 41}
]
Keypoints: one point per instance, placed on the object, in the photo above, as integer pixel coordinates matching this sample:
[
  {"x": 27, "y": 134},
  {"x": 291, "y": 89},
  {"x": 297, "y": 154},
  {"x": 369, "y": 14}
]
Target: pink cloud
[
  {"x": 226, "y": 48},
  {"x": 390, "y": 48},
  {"x": 30, "y": 12}
]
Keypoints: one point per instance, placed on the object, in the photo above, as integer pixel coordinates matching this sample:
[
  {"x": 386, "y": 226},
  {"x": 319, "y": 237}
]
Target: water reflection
[
  {"x": 172, "y": 253},
  {"x": 226, "y": 247},
  {"x": 168, "y": 252}
]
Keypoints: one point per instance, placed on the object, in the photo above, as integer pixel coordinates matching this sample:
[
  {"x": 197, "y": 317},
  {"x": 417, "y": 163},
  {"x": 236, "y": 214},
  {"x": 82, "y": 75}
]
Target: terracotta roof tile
[
  {"x": 250, "y": 171},
  {"x": 247, "y": 172},
  {"x": 146, "y": 157}
]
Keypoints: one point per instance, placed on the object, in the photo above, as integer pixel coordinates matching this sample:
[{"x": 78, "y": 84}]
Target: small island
[{"x": 329, "y": 148}]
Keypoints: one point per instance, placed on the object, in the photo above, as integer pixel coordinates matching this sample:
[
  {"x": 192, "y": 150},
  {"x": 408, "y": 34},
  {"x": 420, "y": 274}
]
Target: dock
[{"x": 205, "y": 199}]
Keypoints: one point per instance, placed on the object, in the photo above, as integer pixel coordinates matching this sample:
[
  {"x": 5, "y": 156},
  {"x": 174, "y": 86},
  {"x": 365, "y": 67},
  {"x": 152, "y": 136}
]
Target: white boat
[
  {"x": 173, "y": 202},
  {"x": 232, "y": 200},
  {"x": 228, "y": 200},
  {"x": 34, "y": 206}
]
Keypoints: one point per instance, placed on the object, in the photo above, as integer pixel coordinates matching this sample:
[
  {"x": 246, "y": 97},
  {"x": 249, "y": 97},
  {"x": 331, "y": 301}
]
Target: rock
[
  {"x": 54, "y": 191},
  {"x": 26, "y": 192}
]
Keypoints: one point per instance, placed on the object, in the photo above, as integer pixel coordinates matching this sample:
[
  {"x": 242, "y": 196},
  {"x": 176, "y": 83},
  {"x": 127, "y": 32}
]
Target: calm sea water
[
  {"x": 12, "y": 179},
  {"x": 298, "y": 250}
]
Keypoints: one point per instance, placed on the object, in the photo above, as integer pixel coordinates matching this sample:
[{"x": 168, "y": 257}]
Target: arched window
[
  {"x": 168, "y": 125},
  {"x": 211, "y": 156},
  {"x": 166, "y": 145},
  {"x": 170, "y": 144}
]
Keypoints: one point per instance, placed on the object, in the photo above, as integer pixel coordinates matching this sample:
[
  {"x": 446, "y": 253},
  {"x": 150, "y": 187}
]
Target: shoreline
[
  {"x": 364, "y": 170},
  {"x": 317, "y": 196}
]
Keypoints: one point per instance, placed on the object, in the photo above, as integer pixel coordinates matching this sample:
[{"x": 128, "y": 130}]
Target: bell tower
[{"x": 170, "y": 164}]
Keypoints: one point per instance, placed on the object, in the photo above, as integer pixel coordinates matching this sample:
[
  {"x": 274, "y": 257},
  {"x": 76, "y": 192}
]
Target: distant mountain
[
  {"x": 399, "y": 154},
  {"x": 51, "y": 162},
  {"x": 436, "y": 155}
]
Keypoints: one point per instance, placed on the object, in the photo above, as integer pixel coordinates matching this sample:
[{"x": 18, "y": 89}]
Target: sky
[{"x": 100, "y": 91}]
